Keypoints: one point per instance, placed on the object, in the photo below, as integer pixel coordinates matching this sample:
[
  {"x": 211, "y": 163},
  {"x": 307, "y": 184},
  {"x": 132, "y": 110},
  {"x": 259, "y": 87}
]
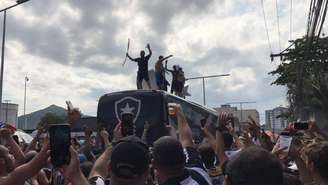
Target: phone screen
[
  {"x": 128, "y": 127},
  {"x": 285, "y": 141},
  {"x": 301, "y": 125},
  {"x": 60, "y": 141}
]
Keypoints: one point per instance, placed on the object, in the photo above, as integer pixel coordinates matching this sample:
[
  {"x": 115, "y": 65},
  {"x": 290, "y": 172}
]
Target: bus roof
[{"x": 164, "y": 93}]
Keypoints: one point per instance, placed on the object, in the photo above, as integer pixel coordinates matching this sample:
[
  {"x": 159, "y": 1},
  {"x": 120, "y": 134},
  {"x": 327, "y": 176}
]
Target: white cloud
[{"x": 74, "y": 50}]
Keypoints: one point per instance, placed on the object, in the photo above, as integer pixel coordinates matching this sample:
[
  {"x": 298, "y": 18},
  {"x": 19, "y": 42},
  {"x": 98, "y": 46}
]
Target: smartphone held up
[
  {"x": 128, "y": 126},
  {"x": 301, "y": 125},
  {"x": 285, "y": 140},
  {"x": 60, "y": 141}
]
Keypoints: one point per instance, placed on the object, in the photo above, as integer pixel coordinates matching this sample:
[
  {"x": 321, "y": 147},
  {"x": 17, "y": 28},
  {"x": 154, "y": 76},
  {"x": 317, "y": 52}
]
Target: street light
[
  {"x": 203, "y": 78},
  {"x": 25, "y": 120},
  {"x": 18, "y": 2}
]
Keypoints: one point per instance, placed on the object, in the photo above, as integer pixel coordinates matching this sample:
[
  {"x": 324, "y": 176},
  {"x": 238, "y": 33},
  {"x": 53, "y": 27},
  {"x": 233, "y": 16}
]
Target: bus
[{"x": 151, "y": 106}]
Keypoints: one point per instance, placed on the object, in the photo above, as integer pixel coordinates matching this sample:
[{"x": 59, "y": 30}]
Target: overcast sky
[{"x": 73, "y": 50}]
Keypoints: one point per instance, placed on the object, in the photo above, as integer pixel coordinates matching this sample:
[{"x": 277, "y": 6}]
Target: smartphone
[
  {"x": 301, "y": 125},
  {"x": 69, "y": 105},
  {"x": 127, "y": 124},
  {"x": 203, "y": 122},
  {"x": 285, "y": 140},
  {"x": 60, "y": 141}
]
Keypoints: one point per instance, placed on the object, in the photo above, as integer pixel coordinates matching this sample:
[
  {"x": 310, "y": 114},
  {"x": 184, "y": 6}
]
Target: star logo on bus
[
  {"x": 127, "y": 108},
  {"x": 127, "y": 105}
]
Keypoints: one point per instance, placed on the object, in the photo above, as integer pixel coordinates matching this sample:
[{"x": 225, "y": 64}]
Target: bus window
[{"x": 194, "y": 114}]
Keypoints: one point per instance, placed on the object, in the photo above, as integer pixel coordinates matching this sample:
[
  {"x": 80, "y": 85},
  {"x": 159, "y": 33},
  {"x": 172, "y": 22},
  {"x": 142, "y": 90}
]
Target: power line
[
  {"x": 323, "y": 17},
  {"x": 278, "y": 25},
  {"x": 266, "y": 26}
]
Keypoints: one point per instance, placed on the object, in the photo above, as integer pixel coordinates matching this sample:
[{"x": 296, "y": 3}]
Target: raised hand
[
  {"x": 254, "y": 127},
  {"x": 74, "y": 115},
  {"x": 6, "y": 133},
  {"x": 87, "y": 132},
  {"x": 117, "y": 133},
  {"x": 104, "y": 134}
]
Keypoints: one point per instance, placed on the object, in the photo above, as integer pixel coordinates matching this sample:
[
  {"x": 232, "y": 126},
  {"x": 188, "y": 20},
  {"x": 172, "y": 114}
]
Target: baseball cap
[{"x": 130, "y": 158}]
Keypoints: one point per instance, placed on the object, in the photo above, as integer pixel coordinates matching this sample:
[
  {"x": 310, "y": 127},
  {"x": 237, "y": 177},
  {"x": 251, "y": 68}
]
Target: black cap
[{"x": 130, "y": 158}]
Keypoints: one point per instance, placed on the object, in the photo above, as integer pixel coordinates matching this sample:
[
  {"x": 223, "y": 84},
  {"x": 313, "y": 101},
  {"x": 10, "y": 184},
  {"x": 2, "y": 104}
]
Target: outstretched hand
[
  {"x": 117, "y": 133},
  {"x": 74, "y": 115},
  {"x": 254, "y": 127},
  {"x": 148, "y": 46}
]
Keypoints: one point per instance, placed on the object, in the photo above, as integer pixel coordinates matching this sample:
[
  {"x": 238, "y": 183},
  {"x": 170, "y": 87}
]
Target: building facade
[
  {"x": 273, "y": 120},
  {"x": 241, "y": 116},
  {"x": 9, "y": 113}
]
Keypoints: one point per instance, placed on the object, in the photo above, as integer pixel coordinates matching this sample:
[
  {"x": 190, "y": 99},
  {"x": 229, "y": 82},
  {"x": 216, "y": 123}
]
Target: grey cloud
[{"x": 162, "y": 12}]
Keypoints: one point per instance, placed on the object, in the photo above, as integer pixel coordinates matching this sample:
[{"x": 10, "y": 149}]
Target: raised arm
[
  {"x": 33, "y": 143},
  {"x": 14, "y": 148},
  {"x": 150, "y": 52},
  {"x": 132, "y": 59},
  {"x": 219, "y": 150},
  {"x": 167, "y": 68},
  {"x": 100, "y": 168},
  {"x": 185, "y": 133},
  {"x": 73, "y": 171},
  {"x": 211, "y": 139},
  {"x": 28, "y": 170},
  {"x": 145, "y": 132},
  {"x": 165, "y": 58}
]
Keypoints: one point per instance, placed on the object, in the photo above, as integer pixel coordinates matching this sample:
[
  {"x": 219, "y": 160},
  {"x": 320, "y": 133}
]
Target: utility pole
[
  {"x": 18, "y": 2},
  {"x": 318, "y": 9},
  {"x": 241, "y": 103},
  {"x": 203, "y": 80},
  {"x": 25, "y": 120}
]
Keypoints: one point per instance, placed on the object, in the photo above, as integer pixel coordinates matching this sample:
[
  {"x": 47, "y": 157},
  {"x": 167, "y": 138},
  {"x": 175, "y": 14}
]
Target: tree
[
  {"x": 312, "y": 65},
  {"x": 51, "y": 118}
]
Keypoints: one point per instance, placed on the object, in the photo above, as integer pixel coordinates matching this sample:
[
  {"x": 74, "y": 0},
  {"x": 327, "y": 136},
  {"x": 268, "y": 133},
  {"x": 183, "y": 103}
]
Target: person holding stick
[{"x": 142, "y": 67}]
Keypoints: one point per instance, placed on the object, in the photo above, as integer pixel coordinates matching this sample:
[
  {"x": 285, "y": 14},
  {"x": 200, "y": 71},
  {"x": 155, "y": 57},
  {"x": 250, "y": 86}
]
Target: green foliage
[
  {"x": 315, "y": 75},
  {"x": 51, "y": 118}
]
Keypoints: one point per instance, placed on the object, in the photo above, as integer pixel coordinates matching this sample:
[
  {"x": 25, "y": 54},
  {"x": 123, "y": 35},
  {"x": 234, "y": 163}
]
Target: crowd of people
[
  {"x": 178, "y": 77},
  {"x": 224, "y": 157}
]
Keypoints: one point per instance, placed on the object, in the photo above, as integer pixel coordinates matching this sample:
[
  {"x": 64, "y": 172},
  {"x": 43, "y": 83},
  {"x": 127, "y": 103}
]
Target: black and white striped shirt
[{"x": 195, "y": 172}]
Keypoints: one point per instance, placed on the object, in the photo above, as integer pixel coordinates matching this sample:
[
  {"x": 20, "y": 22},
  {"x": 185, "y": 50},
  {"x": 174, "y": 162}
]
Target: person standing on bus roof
[
  {"x": 160, "y": 73},
  {"x": 176, "y": 75},
  {"x": 142, "y": 67}
]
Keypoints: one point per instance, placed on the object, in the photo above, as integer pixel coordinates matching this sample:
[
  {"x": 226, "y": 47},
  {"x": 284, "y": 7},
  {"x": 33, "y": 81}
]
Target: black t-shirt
[{"x": 142, "y": 63}]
